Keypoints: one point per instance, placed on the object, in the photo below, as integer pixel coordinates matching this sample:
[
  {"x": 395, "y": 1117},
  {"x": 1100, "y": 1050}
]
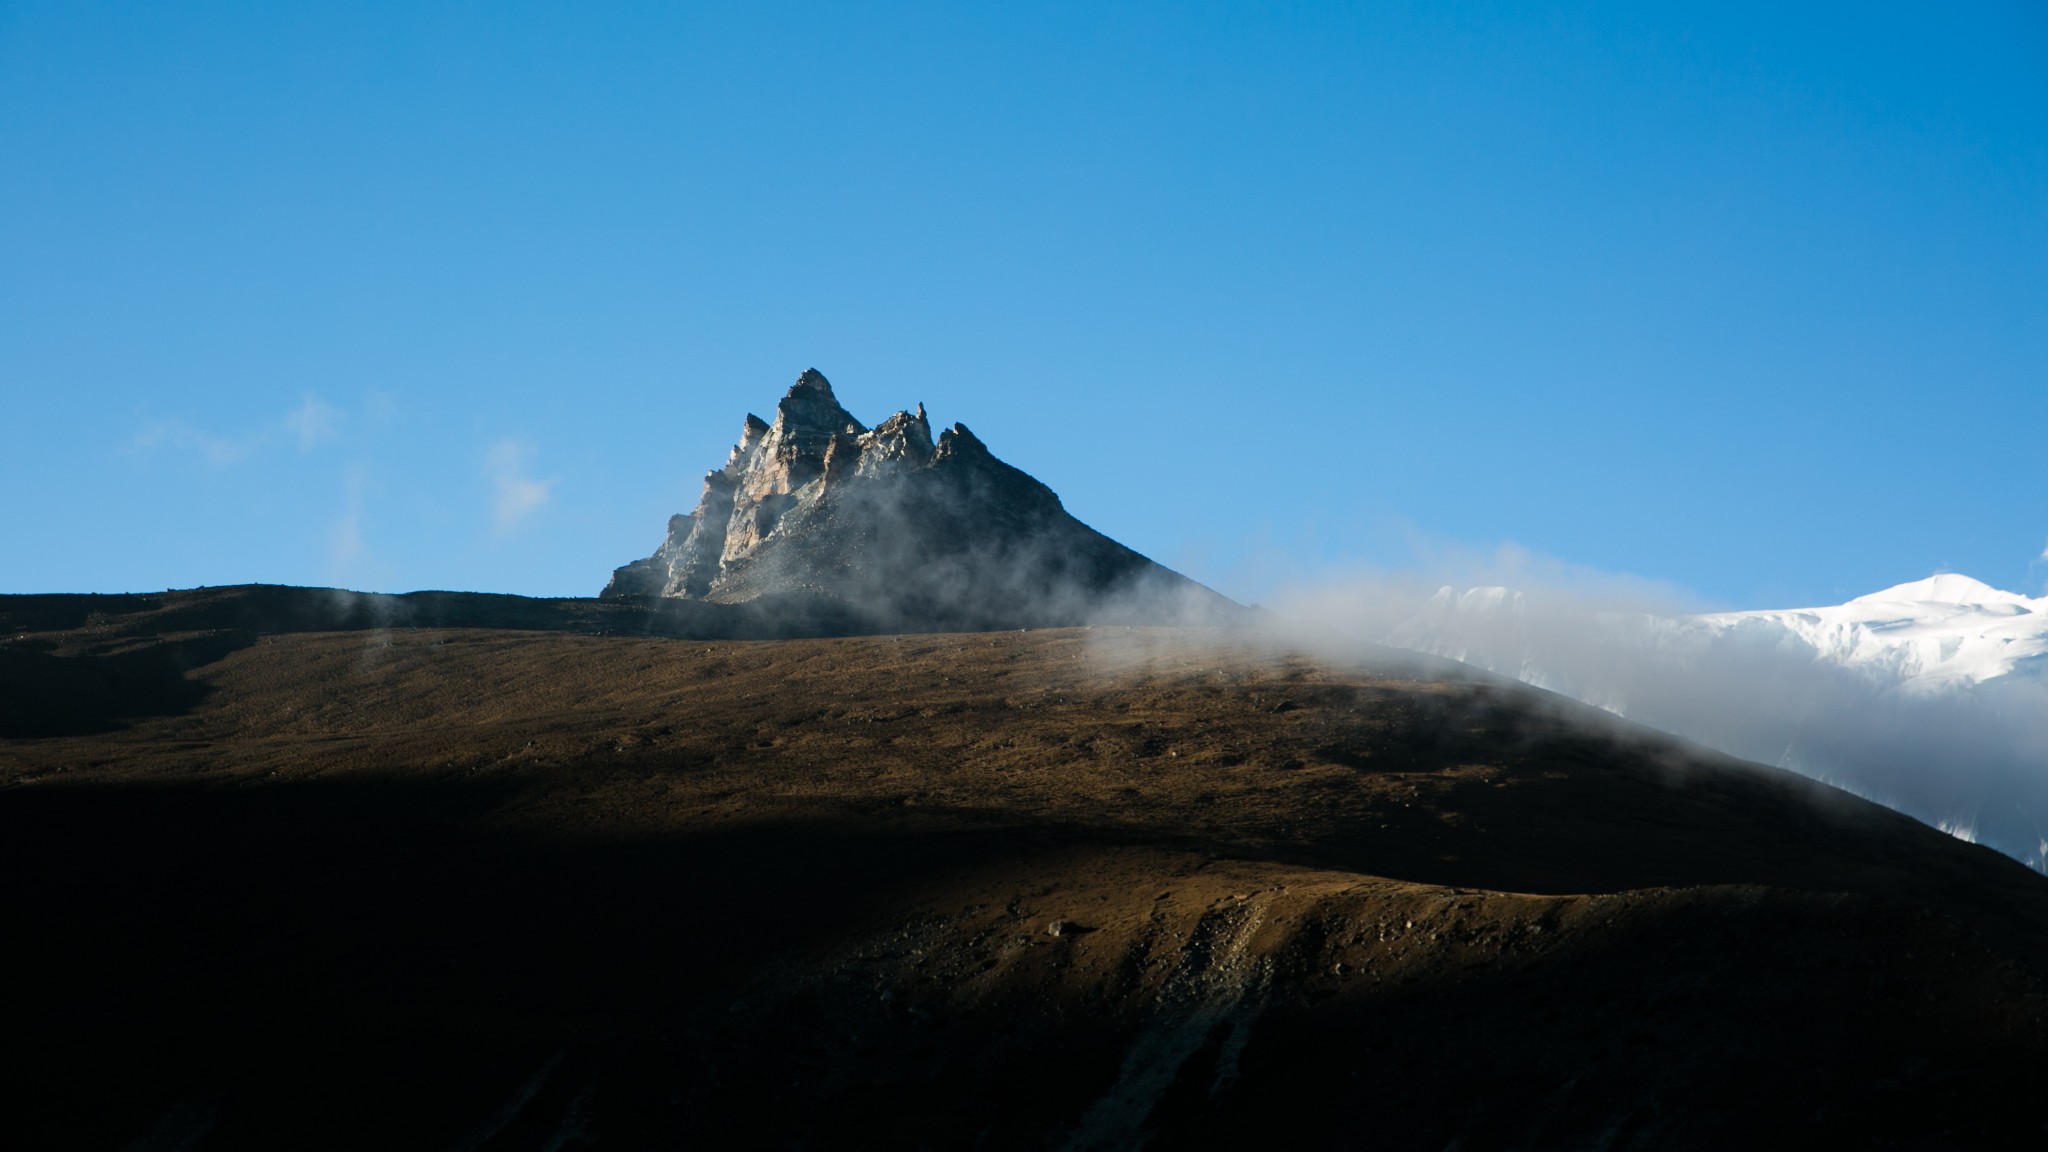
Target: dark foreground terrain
[{"x": 280, "y": 875}]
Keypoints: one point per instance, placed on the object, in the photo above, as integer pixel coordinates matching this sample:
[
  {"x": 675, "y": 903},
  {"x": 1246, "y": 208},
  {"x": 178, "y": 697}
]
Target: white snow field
[
  {"x": 1931, "y": 696},
  {"x": 1942, "y": 634}
]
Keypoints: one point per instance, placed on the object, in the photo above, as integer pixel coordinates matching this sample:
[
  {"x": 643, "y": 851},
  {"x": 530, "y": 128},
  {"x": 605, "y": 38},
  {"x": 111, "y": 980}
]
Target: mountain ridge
[{"x": 902, "y": 527}]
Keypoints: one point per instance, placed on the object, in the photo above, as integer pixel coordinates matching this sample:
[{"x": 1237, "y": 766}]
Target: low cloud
[
  {"x": 1973, "y": 762},
  {"x": 515, "y": 495}
]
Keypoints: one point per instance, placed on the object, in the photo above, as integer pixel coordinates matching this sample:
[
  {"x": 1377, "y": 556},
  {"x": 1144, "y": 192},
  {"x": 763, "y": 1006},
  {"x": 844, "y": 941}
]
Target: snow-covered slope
[
  {"x": 1942, "y": 634},
  {"x": 1946, "y": 633},
  {"x": 1930, "y": 696}
]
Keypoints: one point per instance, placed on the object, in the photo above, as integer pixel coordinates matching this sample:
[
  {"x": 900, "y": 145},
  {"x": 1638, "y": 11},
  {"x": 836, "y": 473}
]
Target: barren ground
[{"x": 486, "y": 888}]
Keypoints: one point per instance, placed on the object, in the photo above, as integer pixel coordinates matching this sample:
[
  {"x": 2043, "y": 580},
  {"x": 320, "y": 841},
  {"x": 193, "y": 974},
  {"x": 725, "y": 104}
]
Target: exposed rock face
[{"x": 900, "y": 529}]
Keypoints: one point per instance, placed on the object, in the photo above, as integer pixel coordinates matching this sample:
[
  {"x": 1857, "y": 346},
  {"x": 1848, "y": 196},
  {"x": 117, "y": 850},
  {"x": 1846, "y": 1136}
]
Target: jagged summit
[{"x": 899, "y": 529}]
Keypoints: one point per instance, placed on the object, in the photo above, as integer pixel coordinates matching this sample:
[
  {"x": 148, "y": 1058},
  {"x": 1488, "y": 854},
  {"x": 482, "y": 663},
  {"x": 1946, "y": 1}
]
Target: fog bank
[{"x": 1971, "y": 759}]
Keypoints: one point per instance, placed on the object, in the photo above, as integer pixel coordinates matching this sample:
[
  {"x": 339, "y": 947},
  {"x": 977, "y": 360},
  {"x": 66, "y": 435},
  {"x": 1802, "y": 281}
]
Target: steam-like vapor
[{"x": 1971, "y": 759}]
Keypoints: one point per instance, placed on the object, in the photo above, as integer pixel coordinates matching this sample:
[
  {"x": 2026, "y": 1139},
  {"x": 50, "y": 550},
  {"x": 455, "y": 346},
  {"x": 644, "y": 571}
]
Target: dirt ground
[{"x": 494, "y": 888}]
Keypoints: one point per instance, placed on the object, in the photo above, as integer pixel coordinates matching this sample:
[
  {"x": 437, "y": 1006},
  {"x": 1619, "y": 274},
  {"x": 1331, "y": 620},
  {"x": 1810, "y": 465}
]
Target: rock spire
[{"x": 898, "y": 528}]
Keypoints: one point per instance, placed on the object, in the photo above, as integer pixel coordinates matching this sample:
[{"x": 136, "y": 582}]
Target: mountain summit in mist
[
  {"x": 1930, "y": 696},
  {"x": 901, "y": 528}
]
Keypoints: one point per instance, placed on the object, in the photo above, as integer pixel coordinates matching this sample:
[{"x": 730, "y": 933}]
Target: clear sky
[{"x": 1747, "y": 299}]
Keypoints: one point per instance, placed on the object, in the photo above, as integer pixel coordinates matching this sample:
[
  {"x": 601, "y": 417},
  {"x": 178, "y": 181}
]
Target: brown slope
[{"x": 460, "y": 888}]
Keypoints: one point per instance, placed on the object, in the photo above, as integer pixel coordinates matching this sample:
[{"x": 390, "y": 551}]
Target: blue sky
[{"x": 469, "y": 296}]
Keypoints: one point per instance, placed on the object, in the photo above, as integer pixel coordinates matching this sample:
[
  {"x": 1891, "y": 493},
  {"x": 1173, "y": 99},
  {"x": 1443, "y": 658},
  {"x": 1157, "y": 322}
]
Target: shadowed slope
[{"x": 496, "y": 889}]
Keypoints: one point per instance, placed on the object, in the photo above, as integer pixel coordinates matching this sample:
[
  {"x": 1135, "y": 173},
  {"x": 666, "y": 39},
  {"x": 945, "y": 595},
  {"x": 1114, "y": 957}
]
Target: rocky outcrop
[{"x": 902, "y": 529}]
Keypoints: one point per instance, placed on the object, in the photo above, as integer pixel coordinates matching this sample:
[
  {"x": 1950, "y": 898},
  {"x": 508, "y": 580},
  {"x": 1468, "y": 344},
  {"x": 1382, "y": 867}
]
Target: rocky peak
[
  {"x": 900, "y": 442},
  {"x": 792, "y": 449},
  {"x": 889, "y": 523},
  {"x": 809, "y": 411},
  {"x": 958, "y": 443},
  {"x": 751, "y": 434}
]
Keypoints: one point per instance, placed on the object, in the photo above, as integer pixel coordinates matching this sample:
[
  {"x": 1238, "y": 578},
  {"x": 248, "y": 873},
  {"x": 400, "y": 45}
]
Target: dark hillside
[{"x": 559, "y": 883}]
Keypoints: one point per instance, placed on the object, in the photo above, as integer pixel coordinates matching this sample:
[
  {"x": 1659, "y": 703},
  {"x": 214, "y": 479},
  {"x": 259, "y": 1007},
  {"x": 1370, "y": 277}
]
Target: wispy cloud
[
  {"x": 515, "y": 495},
  {"x": 313, "y": 422},
  {"x": 346, "y": 551},
  {"x": 179, "y": 436},
  {"x": 351, "y": 560}
]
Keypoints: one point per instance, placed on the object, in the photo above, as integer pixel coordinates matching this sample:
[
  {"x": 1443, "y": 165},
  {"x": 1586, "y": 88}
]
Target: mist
[{"x": 1972, "y": 762}]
